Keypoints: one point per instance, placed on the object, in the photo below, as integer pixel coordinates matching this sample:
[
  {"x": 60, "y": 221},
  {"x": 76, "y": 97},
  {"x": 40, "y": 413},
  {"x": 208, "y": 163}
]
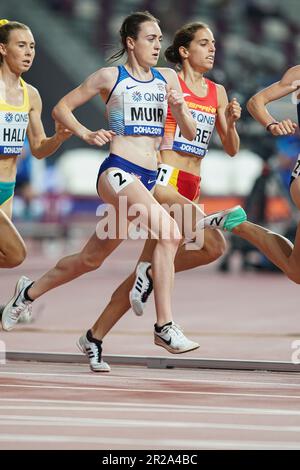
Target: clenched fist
[
  {"x": 233, "y": 111},
  {"x": 98, "y": 138},
  {"x": 285, "y": 127},
  {"x": 175, "y": 99}
]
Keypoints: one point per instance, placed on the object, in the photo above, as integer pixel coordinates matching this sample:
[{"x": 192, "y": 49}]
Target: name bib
[
  {"x": 13, "y": 126},
  {"x": 205, "y": 127},
  {"x": 145, "y": 111}
]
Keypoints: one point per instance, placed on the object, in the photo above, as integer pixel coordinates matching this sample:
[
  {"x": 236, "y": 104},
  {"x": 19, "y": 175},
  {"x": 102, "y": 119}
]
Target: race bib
[
  {"x": 119, "y": 179},
  {"x": 145, "y": 112},
  {"x": 205, "y": 127},
  {"x": 13, "y": 126},
  {"x": 164, "y": 173}
]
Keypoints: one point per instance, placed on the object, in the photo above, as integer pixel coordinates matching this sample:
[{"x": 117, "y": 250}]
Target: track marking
[
  {"x": 157, "y": 379},
  {"x": 141, "y": 390},
  {"x": 159, "y": 444},
  {"x": 20, "y": 420},
  {"x": 175, "y": 409}
]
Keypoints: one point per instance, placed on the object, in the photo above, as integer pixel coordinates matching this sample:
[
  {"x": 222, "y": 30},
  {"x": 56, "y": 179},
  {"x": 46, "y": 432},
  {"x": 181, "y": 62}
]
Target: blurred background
[{"x": 257, "y": 40}]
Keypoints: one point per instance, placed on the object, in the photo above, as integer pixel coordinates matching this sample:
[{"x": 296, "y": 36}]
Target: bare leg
[
  {"x": 70, "y": 267},
  {"x": 118, "y": 305},
  {"x": 12, "y": 247},
  {"x": 277, "y": 248},
  {"x": 166, "y": 245},
  {"x": 213, "y": 248}
]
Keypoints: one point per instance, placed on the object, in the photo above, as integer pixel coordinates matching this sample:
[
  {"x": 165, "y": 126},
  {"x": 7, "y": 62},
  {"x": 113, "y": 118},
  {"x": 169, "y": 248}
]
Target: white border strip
[{"x": 156, "y": 362}]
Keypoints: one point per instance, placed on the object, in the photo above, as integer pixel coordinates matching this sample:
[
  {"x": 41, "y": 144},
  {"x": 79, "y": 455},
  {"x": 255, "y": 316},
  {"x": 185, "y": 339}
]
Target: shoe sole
[
  {"x": 10, "y": 303},
  {"x": 81, "y": 349},
  {"x": 161, "y": 343}
]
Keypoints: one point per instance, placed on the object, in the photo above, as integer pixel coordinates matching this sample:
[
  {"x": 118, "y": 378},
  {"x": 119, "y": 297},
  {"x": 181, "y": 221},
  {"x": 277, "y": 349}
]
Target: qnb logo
[
  {"x": 2, "y": 353},
  {"x": 8, "y": 117},
  {"x": 296, "y": 354},
  {"x": 137, "y": 96}
]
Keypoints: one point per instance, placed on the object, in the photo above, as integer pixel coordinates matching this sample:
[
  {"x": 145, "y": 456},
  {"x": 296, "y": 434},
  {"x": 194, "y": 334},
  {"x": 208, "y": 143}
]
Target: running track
[{"x": 237, "y": 316}]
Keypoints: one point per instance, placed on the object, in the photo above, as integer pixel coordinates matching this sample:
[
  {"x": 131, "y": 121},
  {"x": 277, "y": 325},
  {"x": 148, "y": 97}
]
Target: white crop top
[{"x": 137, "y": 108}]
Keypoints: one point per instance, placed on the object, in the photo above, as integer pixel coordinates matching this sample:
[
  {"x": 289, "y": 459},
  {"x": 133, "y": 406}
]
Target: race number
[
  {"x": 164, "y": 173},
  {"x": 119, "y": 179}
]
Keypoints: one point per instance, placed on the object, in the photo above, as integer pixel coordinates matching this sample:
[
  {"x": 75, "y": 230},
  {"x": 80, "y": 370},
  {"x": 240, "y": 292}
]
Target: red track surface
[{"x": 237, "y": 316}]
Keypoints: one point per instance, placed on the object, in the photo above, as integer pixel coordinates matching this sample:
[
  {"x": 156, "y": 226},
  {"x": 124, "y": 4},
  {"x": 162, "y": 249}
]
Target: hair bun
[{"x": 3, "y": 22}]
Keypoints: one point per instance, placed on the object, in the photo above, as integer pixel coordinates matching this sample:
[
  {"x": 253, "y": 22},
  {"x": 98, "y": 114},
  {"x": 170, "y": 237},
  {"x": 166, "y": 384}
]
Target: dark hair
[
  {"x": 183, "y": 37},
  {"x": 130, "y": 28},
  {"x": 5, "y": 30}
]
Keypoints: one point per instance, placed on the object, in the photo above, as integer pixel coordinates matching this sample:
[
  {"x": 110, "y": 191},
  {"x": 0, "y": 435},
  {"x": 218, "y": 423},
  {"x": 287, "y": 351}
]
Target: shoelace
[{"x": 176, "y": 329}]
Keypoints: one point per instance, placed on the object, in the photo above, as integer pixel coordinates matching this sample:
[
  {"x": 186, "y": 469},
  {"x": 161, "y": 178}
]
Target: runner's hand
[
  {"x": 285, "y": 127},
  {"x": 233, "y": 111},
  {"x": 98, "y": 138}
]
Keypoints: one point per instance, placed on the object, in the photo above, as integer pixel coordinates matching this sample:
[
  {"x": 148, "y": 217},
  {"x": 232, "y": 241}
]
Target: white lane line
[
  {"x": 141, "y": 406},
  {"x": 19, "y": 420},
  {"x": 161, "y": 409},
  {"x": 157, "y": 444},
  {"x": 137, "y": 390},
  {"x": 157, "y": 379}
]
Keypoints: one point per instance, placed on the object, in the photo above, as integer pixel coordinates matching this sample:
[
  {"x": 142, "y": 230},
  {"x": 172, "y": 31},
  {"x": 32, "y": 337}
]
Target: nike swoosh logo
[
  {"x": 14, "y": 304},
  {"x": 186, "y": 94},
  {"x": 166, "y": 341},
  {"x": 129, "y": 87},
  {"x": 151, "y": 181}
]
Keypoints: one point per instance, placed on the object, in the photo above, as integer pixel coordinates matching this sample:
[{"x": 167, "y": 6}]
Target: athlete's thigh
[
  {"x": 7, "y": 208},
  {"x": 186, "y": 213},
  {"x": 126, "y": 192}
]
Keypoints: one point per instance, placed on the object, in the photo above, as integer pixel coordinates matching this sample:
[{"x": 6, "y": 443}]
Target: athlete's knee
[
  {"x": 16, "y": 257},
  {"x": 214, "y": 244},
  {"x": 170, "y": 243}
]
